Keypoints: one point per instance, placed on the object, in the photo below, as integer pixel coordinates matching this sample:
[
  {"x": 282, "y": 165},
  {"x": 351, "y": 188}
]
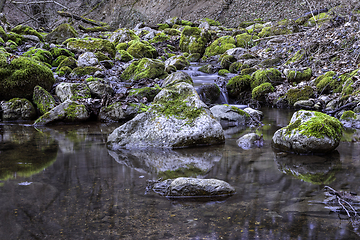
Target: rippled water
[{"x": 62, "y": 183}]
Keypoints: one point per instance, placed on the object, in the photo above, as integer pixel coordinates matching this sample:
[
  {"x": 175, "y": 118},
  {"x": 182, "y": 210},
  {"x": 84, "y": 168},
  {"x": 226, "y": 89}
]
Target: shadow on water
[{"x": 84, "y": 191}]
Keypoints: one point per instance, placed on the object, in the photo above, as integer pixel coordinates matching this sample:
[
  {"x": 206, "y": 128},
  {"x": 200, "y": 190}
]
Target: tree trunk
[{"x": 2, "y": 4}]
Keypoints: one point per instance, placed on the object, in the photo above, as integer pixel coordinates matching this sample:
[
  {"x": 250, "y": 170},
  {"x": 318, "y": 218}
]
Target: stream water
[{"x": 61, "y": 182}]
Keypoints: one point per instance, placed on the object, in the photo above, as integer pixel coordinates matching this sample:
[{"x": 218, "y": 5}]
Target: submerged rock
[
  {"x": 309, "y": 132},
  {"x": 176, "y": 119},
  {"x": 230, "y": 114},
  {"x": 250, "y": 140},
  {"x": 193, "y": 187}
]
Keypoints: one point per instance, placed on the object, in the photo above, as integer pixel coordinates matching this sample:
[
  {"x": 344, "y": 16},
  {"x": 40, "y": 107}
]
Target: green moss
[
  {"x": 122, "y": 46},
  {"x": 238, "y": 84},
  {"x": 298, "y": 56},
  {"x": 262, "y": 76},
  {"x": 188, "y": 171},
  {"x": 226, "y": 61},
  {"x": 298, "y": 76},
  {"x": 67, "y": 62},
  {"x": 220, "y": 46},
  {"x": 2, "y": 40},
  {"x": 72, "y": 111},
  {"x": 223, "y": 72},
  {"x": 238, "y": 110},
  {"x": 142, "y": 49},
  {"x": 294, "y": 95},
  {"x": 3, "y": 34},
  {"x": 148, "y": 92},
  {"x": 58, "y": 60},
  {"x": 17, "y": 38},
  {"x": 193, "y": 40},
  {"x": 123, "y": 56},
  {"x": 212, "y": 22},
  {"x": 63, "y": 71},
  {"x": 56, "y": 52},
  {"x": 144, "y": 68},
  {"x": 172, "y": 32},
  {"x": 328, "y": 82},
  {"x": 248, "y": 70},
  {"x": 348, "y": 115},
  {"x": 347, "y": 87},
  {"x": 12, "y": 45},
  {"x": 93, "y": 45},
  {"x": 102, "y": 57},
  {"x": 39, "y": 55},
  {"x": 318, "y": 126},
  {"x": 237, "y": 66},
  {"x": 94, "y": 29},
  {"x": 275, "y": 30},
  {"x": 26, "y": 30},
  {"x": 163, "y": 26},
  {"x": 186, "y": 23},
  {"x": 245, "y": 40},
  {"x": 43, "y": 100},
  {"x": 318, "y": 19},
  {"x": 160, "y": 37},
  {"x": 82, "y": 71},
  {"x": 259, "y": 92}
]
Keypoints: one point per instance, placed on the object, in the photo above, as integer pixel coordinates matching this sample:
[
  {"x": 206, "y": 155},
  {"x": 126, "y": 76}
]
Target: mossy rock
[
  {"x": 122, "y": 46},
  {"x": 17, "y": 38},
  {"x": 83, "y": 71},
  {"x": 61, "y": 33},
  {"x": 245, "y": 40},
  {"x": 194, "y": 40},
  {"x": 56, "y": 52},
  {"x": 211, "y": 22},
  {"x": 327, "y": 83},
  {"x": 299, "y": 76},
  {"x": 144, "y": 68},
  {"x": 220, "y": 46},
  {"x": 179, "y": 61},
  {"x": 172, "y": 32},
  {"x": 226, "y": 61},
  {"x": 43, "y": 100},
  {"x": 26, "y": 30},
  {"x": 238, "y": 84},
  {"x": 281, "y": 28},
  {"x": 246, "y": 70},
  {"x": 102, "y": 57},
  {"x": 148, "y": 92},
  {"x": 142, "y": 49},
  {"x": 123, "y": 35},
  {"x": 92, "y": 45},
  {"x": 259, "y": 92},
  {"x": 223, "y": 72},
  {"x": 298, "y": 56},
  {"x": 318, "y": 20},
  {"x": 12, "y": 45},
  {"x": 19, "y": 77},
  {"x": 163, "y": 26},
  {"x": 39, "y": 54},
  {"x": 17, "y": 109},
  {"x": 271, "y": 62},
  {"x": 2, "y": 40},
  {"x": 123, "y": 56},
  {"x": 63, "y": 71},
  {"x": 265, "y": 75},
  {"x": 3, "y": 34},
  {"x": 67, "y": 62},
  {"x": 294, "y": 95},
  {"x": 347, "y": 87},
  {"x": 58, "y": 60},
  {"x": 348, "y": 116},
  {"x": 208, "y": 68},
  {"x": 160, "y": 37}
]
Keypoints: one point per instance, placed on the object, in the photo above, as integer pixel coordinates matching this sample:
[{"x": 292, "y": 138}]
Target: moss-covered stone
[
  {"x": 271, "y": 62},
  {"x": 172, "y": 32},
  {"x": 56, "y": 52},
  {"x": 211, "y": 22},
  {"x": 26, "y": 30},
  {"x": 248, "y": 70},
  {"x": 259, "y": 92},
  {"x": 245, "y": 40},
  {"x": 142, "y": 49},
  {"x": 236, "y": 67},
  {"x": 82, "y": 71},
  {"x": 194, "y": 40},
  {"x": 123, "y": 56},
  {"x": 238, "y": 84},
  {"x": 102, "y": 57},
  {"x": 61, "y": 33},
  {"x": 67, "y": 62},
  {"x": 318, "y": 20},
  {"x": 298, "y": 56},
  {"x": 144, "y": 68},
  {"x": 17, "y": 38},
  {"x": 122, "y": 46},
  {"x": 299, "y": 76},
  {"x": 58, "y": 60},
  {"x": 294, "y": 95},
  {"x": 92, "y": 45},
  {"x": 328, "y": 82},
  {"x": 148, "y": 92},
  {"x": 17, "y": 109},
  {"x": 275, "y": 30},
  {"x": 39, "y": 54},
  {"x": 43, "y": 100},
  {"x": 348, "y": 116},
  {"x": 63, "y": 71},
  {"x": 19, "y": 77},
  {"x": 163, "y": 26},
  {"x": 261, "y": 76},
  {"x": 160, "y": 37},
  {"x": 226, "y": 61},
  {"x": 123, "y": 35},
  {"x": 3, "y": 34},
  {"x": 220, "y": 46}
]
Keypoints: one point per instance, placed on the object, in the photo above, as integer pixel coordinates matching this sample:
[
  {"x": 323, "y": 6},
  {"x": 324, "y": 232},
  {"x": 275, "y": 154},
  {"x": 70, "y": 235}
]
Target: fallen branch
[{"x": 349, "y": 105}]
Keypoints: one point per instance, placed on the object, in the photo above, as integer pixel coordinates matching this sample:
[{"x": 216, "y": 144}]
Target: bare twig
[{"x": 39, "y": 2}]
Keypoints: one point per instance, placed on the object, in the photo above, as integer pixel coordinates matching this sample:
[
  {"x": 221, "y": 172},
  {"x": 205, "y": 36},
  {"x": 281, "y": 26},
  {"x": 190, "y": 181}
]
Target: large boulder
[
  {"x": 144, "y": 68},
  {"x": 17, "y": 109},
  {"x": 194, "y": 187},
  {"x": 176, "y": 119},
  {"x": 194, "y": 40},
  {"x": 142, "y": 49},
  {"x": 72, "y": 91},
  {"x": 99, "y": 88},
  {"x": 92, "y": 45},
  {"x": 87, "y": 59},
  {"x": 19, "y": 76},
  {"x": 309, "y": 132},
  {"x": 61, "y": 33},
  {"x": 43, "y": 100},
  {"x": 177, "y": 77},
  {"x": 68, "y": 111},
  {"x": 180, "y": 62}
]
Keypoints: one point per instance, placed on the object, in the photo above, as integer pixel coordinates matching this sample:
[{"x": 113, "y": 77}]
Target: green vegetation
[
  {"x": 262, "y": 76},
  {"x": 142, "y": 49},
  {"x": 294, "y": 95},
  {"x": 144, "y": 68},
  {"x": 238, "y": 84},
  {"x": 194, "y": 40},
  {"x": 220, "y": 46},
  {"x": 259, "y": 92}
]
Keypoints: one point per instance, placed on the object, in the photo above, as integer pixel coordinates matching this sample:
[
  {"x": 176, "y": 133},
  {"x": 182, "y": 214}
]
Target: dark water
[{"x": 62, "y": 183}]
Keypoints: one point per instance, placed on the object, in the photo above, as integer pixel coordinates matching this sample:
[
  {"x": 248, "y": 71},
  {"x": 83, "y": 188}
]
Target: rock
[
  {"x": 39, "y": 54},
  {"x": 209, "y": 93},
  {"x": 176, "y": 119},
  {"x": 17, "y": 109},
  {"x": 226, "y": 113},
  {"x": 238, "y": 84},
  {"x": 28, "y": 33},
  {"x": 146, "y": 92},
  {"x": 123, "y": 35},
  {"x": 194, "y": 187},
  {"x": 236, "y": 52},
  {"x": 180, "y": 62},
  {"x": 194, "y": 40},
  {"x": 309, "y": 132},
  {"x": 112, "y": 113},
  {"x": 177, "y": 77},
  {"x": 99, "y": 88},
  {"x": 250, "y": 140},
  {"x": 72, "y": 91},
  {"x": 68, "y": 111},
  {"x": 260, "y": 92},
  {"x": 305, "y": 104},
  {"x": 298, "y": 76},
  {"x": 296, "y": 94},
  {"x": 67, "y": 62},
  {"x": 271, "y": 75},
  {"x": 43, "y": 100},
  {"x": 123, "y": 56},
  {"x": 61, "y": 33},
  {"x": 144, "y": 68},
  {"x": 142, "y": 49},
  {"x": 20, "y": 75},
  {"x": 350, "y": 119},
  {"x": 226, "y": 61},
  {"x": 244, "y": 40},
  {"x": 93, "y": 45},
  {"x": 256, "y": 115},
  {"x": 87, "y": 59},
  {"x": 220, "y": 46}
]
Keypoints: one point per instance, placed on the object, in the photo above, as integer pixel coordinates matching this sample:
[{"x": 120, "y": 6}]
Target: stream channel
[{"x": 61, "y": 182}]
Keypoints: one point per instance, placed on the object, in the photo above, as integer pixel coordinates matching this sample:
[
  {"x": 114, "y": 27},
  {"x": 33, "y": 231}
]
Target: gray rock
[
  {"x": 43, "y": 100},
  {"x": 87, "y": 59},
  {"x": 250, "y": 140},
  {"x": 72, "y": 91},
  {"x": 99, "y": 88},
  {"x": 230, "y": 114},
  {"x": 68, "y": 111},
  {"x": 350, "y": 119},
  {"x": 17, "y": 109},
  {"x": 305, "y": 104},
  {"x": 255, "y": 115},
  {"x": 236, "y": 52},
  {"x": 112, "y": 113},
  {"x": 122, "y": 35},
  {"x": 177, "y": 77},
  {"x": 309, "y": 132},
  {"x": 176, "y": 119},
  {"x": 194, "y": 187},
  {"x": 209, "y": 93},
  {"x": 180, "y": 62}
]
